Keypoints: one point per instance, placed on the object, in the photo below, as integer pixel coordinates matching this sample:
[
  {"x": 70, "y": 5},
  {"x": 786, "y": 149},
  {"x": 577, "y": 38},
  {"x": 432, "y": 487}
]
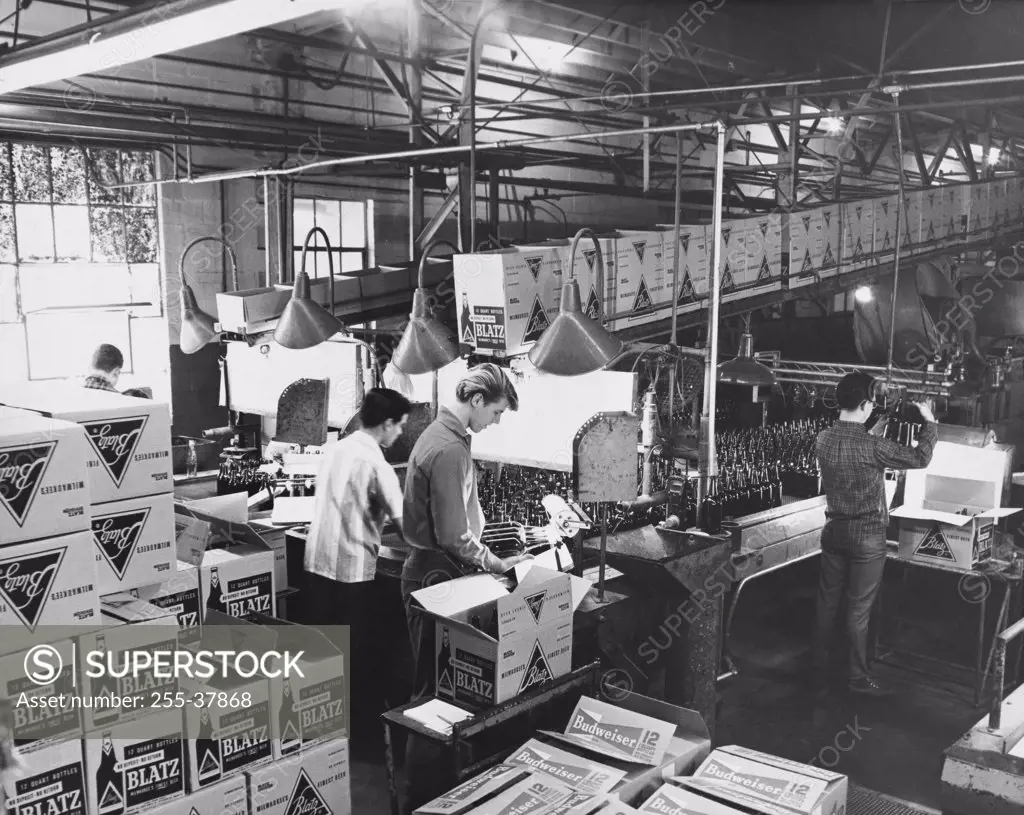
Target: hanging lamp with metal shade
[
  {"x": 427, "y": 344},
  {"x": 574, "y": 344},
  {"x": 304, "y": 322},
  {"x": 743, "y": 369},
  {"x": 197, "y": 327}
]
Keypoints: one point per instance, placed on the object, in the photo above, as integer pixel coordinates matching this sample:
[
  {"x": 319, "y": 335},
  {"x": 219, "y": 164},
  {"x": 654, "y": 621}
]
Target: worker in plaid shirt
[
  {"x": 107, "y": 362},
  {"x": 853, "y": 543}
]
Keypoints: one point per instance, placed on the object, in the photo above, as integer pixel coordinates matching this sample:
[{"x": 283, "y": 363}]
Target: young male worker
[
  {"x": 443, "y": 522},
  {"x": 853, "y": 464},
  {"x": 107, "y": 361},
  {"x": 356, "y": 492}
]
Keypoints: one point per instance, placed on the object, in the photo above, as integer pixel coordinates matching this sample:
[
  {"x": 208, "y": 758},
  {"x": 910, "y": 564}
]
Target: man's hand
[
  {"x": 926, "y": 411},
  {"x": 508, "y": 563}
]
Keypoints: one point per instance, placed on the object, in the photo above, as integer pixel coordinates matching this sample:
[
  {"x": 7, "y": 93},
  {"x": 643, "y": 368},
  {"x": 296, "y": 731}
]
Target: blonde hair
[{"x": 491, "y": 382}]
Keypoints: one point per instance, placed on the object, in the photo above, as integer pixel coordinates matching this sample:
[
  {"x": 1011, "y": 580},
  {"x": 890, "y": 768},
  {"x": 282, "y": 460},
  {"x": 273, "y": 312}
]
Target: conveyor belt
[{"x": 862, "y": 801}]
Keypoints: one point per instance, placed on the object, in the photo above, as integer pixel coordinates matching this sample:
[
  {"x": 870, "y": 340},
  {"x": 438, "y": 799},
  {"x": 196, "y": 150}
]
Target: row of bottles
[
  {"x": 903, "y": 424},
  {"x": 240, "y": 472}
]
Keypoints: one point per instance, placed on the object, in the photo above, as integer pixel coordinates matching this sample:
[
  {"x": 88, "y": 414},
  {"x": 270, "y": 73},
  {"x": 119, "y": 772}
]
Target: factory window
[
  {"x": 349, "y": 228},
  {"x": 78, "y": 257}
]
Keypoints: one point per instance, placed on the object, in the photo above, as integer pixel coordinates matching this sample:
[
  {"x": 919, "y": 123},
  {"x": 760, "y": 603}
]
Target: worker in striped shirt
[{"x": 357, "y": 491}]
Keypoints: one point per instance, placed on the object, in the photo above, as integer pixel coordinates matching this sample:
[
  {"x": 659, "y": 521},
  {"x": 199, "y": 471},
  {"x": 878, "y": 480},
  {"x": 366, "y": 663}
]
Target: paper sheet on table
[
  {"x": 297, "y": 510},
  {"x": 438, "y": 715}
]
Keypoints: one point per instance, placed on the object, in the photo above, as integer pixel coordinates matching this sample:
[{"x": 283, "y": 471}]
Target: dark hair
[
  {"x": 381, "y": 404},
  {"x": 491, "y": 382},
  {"x": 855, "y": 389},
  {"x": 138, "y": 393},
  {"x": 107, "y": 358}
]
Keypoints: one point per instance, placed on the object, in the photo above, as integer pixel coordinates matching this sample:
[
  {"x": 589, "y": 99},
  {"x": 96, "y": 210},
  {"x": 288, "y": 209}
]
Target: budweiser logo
[
  {"x": 117, "y": 536},
  {"x": 25, "y": 583},
  {"x": 21, "y": 473},
  {"x": 115, "y": 441},
  {"x": 306, "y": 799}
]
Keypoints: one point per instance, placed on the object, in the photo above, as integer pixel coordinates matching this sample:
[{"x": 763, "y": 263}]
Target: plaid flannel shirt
[
  {"x": 98, "y": 381},
  {"x": 853, "y": 464}
]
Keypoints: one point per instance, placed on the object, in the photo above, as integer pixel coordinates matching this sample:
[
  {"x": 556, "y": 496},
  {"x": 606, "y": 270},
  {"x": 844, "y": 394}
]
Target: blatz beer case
[
  {"x": 53, "y": 782},
  {"x": 129, "y": 438},
  {"x": 134, "y": 542},
  {"x": 315, "y": 782}
]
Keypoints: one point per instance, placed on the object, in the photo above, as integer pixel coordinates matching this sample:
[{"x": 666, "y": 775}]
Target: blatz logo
[
  {"x": 117, "y": 536},
  {"x": 21, "y": 473},
  {"x": 25, "y": 583},
  {"x": 115, "y": 441},
  {"x": 306, "y": 799}
]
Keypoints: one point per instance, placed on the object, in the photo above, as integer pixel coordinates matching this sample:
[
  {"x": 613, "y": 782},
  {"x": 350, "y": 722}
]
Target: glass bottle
[{"x": 192, "y": 460}]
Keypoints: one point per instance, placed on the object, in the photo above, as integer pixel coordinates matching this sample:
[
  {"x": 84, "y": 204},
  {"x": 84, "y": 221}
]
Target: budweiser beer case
[
  {"x": 314, "y": 782},
  {"x": 129, "y": 438},
  {"x": 128, "y": 624},
  {"x": 480, "y": 788},
  {"x": 228, "y": 797},
  {"x": 53, "y": 780},
  {"x": 494, "y": 644},
  {"x": 134, "y": 542},
  {"x": 177, "y": 594},
  {"x": 535, "y": 793},
  {"x": 44, "y": 486},
  {"x": 618, "y": 733},
  {"x": 673, "y": 800},
  {"x": 47, "y": 582},
  {"x": 745, "y": 777},
  {"x": 578, "y": 773},
  {"x": 135, "y": 765}
]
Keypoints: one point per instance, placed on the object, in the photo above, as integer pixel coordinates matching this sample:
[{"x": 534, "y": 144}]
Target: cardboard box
[
  {"x": 736, "y": 774},
  {"x": 47, "y": 582},
  {"x": 274, "y": 536},
  {"x": 580, "y": 803},
  {"x": 475, "y": 791},
  {"x": 228, "y": 797},
  {"x": 136, "y": 764},
  {"x": 53, "y": 781},
  {"x": 224, "y": 740},
  {"x": 950, "y": 508},
  {"x": 764, "y": 252},
  {"x": 310, "y": 710},
  {"x": 979, "y": 218},
  {"x": 578, "y": 773},
  {"x": 677, "y": 736},
  {"x": 536, "y": 793},
  {"x": 807, "y": 248},
  {"x": 134, "y": 542},
  {"x": 883, "y": 222},
  {"x": 673, "y": 800},
  {"x": 240, "y": 312},
  {"x": 130, "y": 438},
  {"x": 694, "y": 286},
  {"x": 505, "y": 299},
  {"x": 911, "y": 218},
  {"x": 35, "y": 710},
  {"x": 44, "y": 486},
  {"x": 314, "y": 782},
  {"x": 238, "y": 581},
  {"x": 128, "y": 624},
  {"x": 613, "y": 299},
  {"x": 957, "y": 211},
  {"x": 644, "y": 280},
  {"x": 493, "y": 644},
  {"x": 178, "y": 595},
  {"x": 858, "y": 234}
]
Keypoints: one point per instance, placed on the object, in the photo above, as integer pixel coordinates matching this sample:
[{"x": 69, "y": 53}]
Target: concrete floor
[{"x": 893, "y": 746}]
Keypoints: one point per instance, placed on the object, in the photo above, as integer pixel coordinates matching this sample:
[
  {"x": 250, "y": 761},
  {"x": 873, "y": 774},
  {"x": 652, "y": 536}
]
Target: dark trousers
[
  {"x": 852, "y": 564},
  {"x": 362, "y": 607}
]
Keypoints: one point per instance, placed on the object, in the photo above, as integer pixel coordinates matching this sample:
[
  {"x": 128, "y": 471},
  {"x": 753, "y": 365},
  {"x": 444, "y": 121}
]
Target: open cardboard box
[
  {"x": 666, "y": 741},
  {"x": 950, "y": 509},
  {"x": 494, "y": 643}
]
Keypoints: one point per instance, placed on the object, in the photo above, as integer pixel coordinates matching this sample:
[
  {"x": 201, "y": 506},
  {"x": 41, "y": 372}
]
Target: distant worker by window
[{"x": 107, "y": 362}]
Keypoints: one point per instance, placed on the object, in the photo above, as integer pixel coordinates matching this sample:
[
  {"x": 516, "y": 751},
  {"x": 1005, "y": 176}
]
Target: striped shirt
[{"x": 356, "y": 492}]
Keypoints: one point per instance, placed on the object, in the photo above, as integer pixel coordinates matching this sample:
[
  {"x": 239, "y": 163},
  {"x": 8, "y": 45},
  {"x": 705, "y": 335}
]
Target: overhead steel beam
[
  {"x": 933, "y": 168},
  {"x": 963, "y": 148},
  {"x": 418, "y": 131},
  {"x": 774, "y": 128},
  {"x": 916, "y": 146}
]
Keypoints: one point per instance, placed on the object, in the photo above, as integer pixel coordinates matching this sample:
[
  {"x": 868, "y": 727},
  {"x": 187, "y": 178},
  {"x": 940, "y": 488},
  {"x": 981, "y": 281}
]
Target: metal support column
[
  {"x": 493, "y": 203},
  {"x": 794, "y": 147},
  {"x": 415, "y": 77}
]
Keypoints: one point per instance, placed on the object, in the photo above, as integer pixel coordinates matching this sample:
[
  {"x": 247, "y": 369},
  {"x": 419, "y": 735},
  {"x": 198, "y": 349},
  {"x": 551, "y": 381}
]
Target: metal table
[{"x": 584, "y": 680}]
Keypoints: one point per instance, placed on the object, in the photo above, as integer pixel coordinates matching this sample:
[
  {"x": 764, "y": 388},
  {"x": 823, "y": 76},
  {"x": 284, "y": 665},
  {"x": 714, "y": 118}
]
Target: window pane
[
  {"x": 31, "y": 173},
  {"x": 71, "y": 224},
  {"x": 35, "y": 231},
  {"x": 8, "y": 295},
  {"x": 303, "y": 220},
  {"x": 49, "y": 359},
  {"x": 351, "y": 261},
  {"x": 103, "y": 171},
  {"x": 68, "y": 168},
  {"x": 328, "y": 218},
  {"x": 6, "y": 179},
  {"x": 139, "y": 167},
  {"x": 73, "y": 285},
  {"x": 7, "y": 248},
  {"x": 353, "y": 223},
  {"x": 107, "y": 235},
  {"x": 145, "y": 284},
  {"x": 141, "y": 235}
]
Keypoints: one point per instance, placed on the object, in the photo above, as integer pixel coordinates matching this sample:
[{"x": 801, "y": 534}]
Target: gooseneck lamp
[
  {"x": 426, "y": 345},
  {"x": 574, "y": 344},
  {"x": 197, "y": 327},
  {"x": 305, "y": 323}
]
